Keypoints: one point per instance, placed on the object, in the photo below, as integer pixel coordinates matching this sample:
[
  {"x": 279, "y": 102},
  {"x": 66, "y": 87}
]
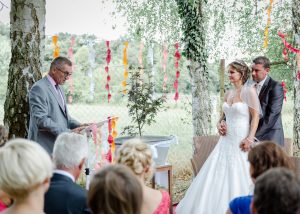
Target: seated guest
[
  {"x": 277, "y": 191},
  {"x": 138, "y": 157},
  {"x": 26, "y": 170},
  {"x": 261, "y": 157},
  {"x": 115, "y": 190},
  {"x": 64, "y": 195},
  {"x": 5, "y": 201}
]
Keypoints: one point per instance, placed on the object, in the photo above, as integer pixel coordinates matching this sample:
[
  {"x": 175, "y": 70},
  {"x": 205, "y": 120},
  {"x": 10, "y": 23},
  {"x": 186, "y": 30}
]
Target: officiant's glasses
[{"x": 66, "y": 73}]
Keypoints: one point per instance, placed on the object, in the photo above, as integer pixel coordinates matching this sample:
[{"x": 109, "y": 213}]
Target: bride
[{"x": 225, "y": 173}]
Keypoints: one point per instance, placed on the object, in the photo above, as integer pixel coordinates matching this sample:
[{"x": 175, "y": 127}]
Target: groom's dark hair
[
  {"x": 277, "y": 191},
  {"x": 263, "y": 61}
]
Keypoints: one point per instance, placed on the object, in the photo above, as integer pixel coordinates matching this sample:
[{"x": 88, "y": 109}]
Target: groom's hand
[
  {"x": 222, "y": 127},
  {"x": 245, "y": 145}
]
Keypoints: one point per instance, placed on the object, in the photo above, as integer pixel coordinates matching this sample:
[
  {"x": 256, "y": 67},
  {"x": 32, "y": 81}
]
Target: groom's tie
[{"x": 258, "y": 87}]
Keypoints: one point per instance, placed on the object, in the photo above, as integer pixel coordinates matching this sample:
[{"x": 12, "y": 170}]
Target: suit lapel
[
  {"x": 264, "y": 88},
  {"x": 54, "y": 93}
]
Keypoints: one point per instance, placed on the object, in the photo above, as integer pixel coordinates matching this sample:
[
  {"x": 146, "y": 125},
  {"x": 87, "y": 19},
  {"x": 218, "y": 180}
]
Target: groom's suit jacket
[
  {"x": 271, "y": 99},
  {"x": 48, "y": 116}
]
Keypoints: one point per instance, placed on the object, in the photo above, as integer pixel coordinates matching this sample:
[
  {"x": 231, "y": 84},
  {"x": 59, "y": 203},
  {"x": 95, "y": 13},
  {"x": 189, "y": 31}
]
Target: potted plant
[{"x": 143, "y": 107}]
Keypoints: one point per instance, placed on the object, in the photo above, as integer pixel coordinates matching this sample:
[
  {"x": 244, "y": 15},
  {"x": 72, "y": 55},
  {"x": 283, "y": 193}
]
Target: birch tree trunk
[
  {"x": 27, "y": 34},
  {"x": 296, "y": 26},
  {"x": 193, "y": 26}
]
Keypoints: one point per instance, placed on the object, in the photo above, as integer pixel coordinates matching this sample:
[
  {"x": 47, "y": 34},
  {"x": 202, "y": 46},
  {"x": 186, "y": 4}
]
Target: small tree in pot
[{"x": 142, "y": 104}]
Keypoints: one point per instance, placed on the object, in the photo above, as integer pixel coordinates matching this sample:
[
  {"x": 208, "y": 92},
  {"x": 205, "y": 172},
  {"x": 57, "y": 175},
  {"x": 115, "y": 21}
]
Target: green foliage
[
  {"x": 5, "y": 55},
  {"x": 193, "y": 27},
  {"x": 142, "y": 105}
]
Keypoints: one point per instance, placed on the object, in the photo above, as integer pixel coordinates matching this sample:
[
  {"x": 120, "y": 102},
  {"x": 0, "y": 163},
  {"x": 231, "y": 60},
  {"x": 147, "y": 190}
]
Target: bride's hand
[
  {"x": 222, "y": 127},
  {"x": 245, "y": 145}
]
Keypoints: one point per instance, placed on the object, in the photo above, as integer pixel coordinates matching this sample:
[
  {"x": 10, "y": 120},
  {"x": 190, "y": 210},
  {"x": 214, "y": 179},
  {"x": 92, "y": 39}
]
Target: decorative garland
[
  {"x": 71, "y": 57},
  {"x": 292, "y": 49},
  {"x": 56, "y": 47},
  {"x": 140, "y": 59},
  {"x": 112, "y": 133},
  {"x": 284, "y": 90},
  {"x": 125, "y": 63},
  {"x": 266, "y": 33},
  {"x": 108, "y": 58},
  {"x": 164, "y": 65},
  {"x": 177, "y": 58}
]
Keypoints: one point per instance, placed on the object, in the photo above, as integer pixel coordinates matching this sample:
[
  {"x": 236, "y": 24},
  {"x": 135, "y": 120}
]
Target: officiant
[{"x": 49, "y": 114}]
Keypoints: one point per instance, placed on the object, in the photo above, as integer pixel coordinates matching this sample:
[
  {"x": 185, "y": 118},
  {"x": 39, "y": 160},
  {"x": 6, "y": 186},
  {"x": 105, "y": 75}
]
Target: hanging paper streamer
[
  {"x": 177, "y": 58},
  {"x": 71, "y": 81},
  {"x": 140, "y": 59},
  {"x": 284, "y": 90},
  {"x": 286, "y": 44},
  {"x": 298, "y": 65},
  {"x": 56, "y": 47},
  {"x": 292, "y": 49},
  {"x": 125, "y": 63},
  {"x": 112, "y": 134},
  {"x": 108, "y": 58},
  {"x": 285, "y": 55},
  {"x": 266, "y": 33},
  {"x": 165, "y": 57}
]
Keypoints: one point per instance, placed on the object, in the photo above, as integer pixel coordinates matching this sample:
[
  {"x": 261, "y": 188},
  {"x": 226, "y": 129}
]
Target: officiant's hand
[
  {"x": 222, "y": 127},
  {"x": 79, "y": 129}
]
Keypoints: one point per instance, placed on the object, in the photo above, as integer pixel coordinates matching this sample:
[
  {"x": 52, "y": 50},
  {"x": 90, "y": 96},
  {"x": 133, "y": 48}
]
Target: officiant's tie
[{"x": 60, "y": 97}]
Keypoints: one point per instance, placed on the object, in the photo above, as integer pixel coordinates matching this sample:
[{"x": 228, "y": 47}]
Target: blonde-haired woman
[
  {"x": 138, "y": 157},
  {"x": 25, "y": 171}
]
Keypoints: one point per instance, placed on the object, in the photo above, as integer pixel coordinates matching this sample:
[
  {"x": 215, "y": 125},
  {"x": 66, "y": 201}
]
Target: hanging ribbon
[
  {"x": 165, "y": 57},
  {"x": 298, "y": 65},
  {"x": 177, "y": 58},
  {"x": 56, "y": 47},
  {"x": 292, "y": 49},
  {"x": 266, "y": 33},
  {"x": 286, "y": 44},
  {"x": 284, "y": 90},
  {"x": 140, "y": 59},
  {"x": 125, "y": 63},
  {"x": 71, "y": 81},
  {"x": 108, "y": 58}
]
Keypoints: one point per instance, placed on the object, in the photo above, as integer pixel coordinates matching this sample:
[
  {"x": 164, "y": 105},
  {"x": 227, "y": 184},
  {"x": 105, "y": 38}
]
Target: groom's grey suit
[
  {"x": 271, "y": 100},
  {"x": 48, "y": 115}
]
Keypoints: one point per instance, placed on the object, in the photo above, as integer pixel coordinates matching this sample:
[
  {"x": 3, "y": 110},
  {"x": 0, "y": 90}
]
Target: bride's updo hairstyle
[
  {"x": 241, "y": 67},
  {"x": 137, "y": 156}
]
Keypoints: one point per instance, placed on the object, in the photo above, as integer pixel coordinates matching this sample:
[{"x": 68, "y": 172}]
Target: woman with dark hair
[
  {"x": 115, "y": 190},
  {"x": 262, "y": 157},
  {"x": 225, "y": 173}
]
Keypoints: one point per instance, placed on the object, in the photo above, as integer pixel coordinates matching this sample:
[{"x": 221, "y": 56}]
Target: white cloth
[{"x": 225, "y": 174}]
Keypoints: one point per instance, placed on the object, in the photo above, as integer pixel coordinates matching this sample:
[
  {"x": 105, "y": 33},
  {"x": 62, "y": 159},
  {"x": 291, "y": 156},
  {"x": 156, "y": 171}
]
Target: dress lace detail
[
  {"x": 225, "y": 174},
  {"x": 164, "y": 206}
]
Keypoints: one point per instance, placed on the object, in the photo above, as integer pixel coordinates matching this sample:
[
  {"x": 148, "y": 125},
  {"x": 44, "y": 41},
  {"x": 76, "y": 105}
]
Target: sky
[{"x": 78, "y": 17}]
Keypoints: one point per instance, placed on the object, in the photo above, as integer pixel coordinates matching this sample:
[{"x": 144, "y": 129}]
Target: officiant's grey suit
[
  {"x": 48, "y": 115},
  {"x": 271, "y": 99}
]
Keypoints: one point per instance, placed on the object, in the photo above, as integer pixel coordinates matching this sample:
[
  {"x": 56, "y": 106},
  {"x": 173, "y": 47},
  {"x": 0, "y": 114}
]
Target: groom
[{"x": 271, "y": 96}]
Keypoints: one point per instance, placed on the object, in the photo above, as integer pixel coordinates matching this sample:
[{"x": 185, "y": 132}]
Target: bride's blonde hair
[
  {"x": 137, "y": 156},
  {"x": 241, "y": 67}
]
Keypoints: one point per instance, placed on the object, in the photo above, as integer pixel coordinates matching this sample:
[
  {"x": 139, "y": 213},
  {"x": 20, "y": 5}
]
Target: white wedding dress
[{"x": 225, "y": 174}]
